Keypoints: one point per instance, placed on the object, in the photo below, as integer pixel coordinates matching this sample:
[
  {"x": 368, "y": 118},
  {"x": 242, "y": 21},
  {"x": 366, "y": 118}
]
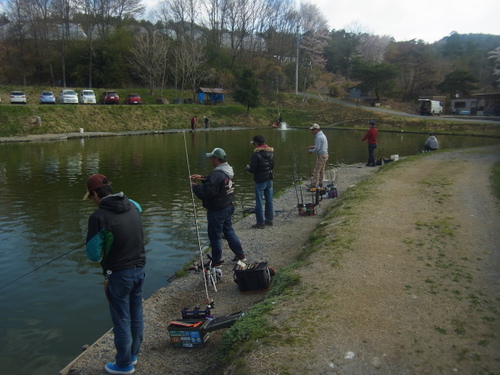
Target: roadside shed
[{"x": 210, "y": 96}]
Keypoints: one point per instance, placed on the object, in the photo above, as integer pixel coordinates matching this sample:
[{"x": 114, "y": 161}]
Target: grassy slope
[{"x": 18, "y": 120}]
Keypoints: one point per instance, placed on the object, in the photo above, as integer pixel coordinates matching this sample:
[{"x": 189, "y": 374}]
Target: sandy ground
[{"x": 404, "y": 281}]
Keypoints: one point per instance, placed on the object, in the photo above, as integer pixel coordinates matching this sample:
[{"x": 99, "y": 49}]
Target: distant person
[
  {"x": 217, "y": 192},
  {"x": 206, "y": 119},
  {"x": 115, "y": 238},
  {"x": 262, "y": 165},
  {"x": 431, "y": 144},
  {"x": 371, "y": 137},
  {"x": 280, "y": 120},
  {"x": 193, "y": 123},
  {"x": 320, "y": 148}
]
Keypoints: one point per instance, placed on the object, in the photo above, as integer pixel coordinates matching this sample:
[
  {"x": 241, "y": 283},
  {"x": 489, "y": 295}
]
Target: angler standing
[
  {"x": 321, "y": 149},
  {"x": 371, "y": 137},
  {"x": 217, "y": 192},
  {"x": 115, "y": 238},
  {"x": 262, "y": 165}
]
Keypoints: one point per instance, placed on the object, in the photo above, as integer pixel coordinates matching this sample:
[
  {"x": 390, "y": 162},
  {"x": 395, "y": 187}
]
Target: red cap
[{"x": 95, "y": 182}]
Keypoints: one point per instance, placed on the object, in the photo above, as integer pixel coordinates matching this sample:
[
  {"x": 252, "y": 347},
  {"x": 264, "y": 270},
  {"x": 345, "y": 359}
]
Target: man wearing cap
[
  {"x": 371, "y": 137},
  {"x": 321, "y": 149},
  {"x": 216, "y": 192},
  {"x": 262, "y": 165},
  {"x": 115, "y": 238}
]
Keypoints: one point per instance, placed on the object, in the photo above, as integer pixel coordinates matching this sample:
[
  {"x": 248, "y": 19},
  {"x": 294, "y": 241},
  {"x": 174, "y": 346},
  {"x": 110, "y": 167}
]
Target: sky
[{"x": 428, "y": 20}]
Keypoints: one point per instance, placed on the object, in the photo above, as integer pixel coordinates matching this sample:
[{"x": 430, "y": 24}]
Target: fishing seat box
[
  {"x": 190, "y": 335},
  {"x": 256, "y": 278}
]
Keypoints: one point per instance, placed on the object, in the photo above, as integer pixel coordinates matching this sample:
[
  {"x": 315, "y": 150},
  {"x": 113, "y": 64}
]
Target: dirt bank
[{"x": 404, "y": 279}]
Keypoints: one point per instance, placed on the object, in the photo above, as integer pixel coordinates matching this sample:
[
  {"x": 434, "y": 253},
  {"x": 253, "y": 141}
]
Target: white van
[
  {"x": 87, "y": 97},
  {"x": 430, "y": 107}
]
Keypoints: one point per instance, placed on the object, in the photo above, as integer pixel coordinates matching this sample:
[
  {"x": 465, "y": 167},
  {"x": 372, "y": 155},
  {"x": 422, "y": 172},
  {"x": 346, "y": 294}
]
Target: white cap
[{"x": 315, "y": 126}]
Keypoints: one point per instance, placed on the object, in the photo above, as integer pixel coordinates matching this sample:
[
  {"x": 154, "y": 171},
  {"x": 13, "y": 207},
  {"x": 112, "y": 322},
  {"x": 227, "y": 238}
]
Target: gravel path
[{"x": 279, "y": 245}]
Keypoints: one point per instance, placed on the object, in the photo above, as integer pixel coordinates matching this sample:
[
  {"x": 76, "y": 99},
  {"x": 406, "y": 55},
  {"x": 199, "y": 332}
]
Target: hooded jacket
[
  {"x": 262, "y": 163},
  {"x": 217, "y": 189},
  {"x": 115, "y": 235}
]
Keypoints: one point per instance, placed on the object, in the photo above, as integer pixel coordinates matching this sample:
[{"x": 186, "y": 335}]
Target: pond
[{"x": 52, "y": 297}]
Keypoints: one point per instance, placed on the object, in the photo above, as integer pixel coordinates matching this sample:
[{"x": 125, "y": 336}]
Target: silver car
[
  {"x": 17, "y": 97},
  {"x": 68, "y": 97}
]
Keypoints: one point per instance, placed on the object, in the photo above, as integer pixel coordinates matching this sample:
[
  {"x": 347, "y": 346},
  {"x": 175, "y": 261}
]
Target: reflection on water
[{"x": 48, "y": 315}]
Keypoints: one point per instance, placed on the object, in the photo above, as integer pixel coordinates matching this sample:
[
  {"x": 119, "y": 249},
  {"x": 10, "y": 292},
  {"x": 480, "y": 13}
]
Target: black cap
[
  {"x": 259, "y": 139},
  {"x": 371, "y": 122}
]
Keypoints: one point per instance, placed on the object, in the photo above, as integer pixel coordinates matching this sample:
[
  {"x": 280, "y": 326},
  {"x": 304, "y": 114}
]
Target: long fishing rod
[
  {"x": 196, "y": 223},
  {"x": 41, "y": 266}
]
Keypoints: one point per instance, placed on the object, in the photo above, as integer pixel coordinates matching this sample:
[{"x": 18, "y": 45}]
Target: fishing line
[
  {"x": 41, "y": 266},
  {"x": 196, "y": 223}
]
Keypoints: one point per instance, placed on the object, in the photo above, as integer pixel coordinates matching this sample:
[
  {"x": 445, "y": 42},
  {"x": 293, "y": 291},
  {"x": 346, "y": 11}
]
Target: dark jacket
[
  {"x": 262, "y": 163},
  {"x": 115, "y": 235},
  {"x": 217, "y": 190}
]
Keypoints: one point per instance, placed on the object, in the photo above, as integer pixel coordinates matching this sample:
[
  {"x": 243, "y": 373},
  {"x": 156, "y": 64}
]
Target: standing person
[
  {"x": 193, "y": 123},
  {"x": 217, "y": 193},
  {"x": 262, "y": 165},
  {"x": 321, "y": 149},
  {"x": 115, "y": 238},
  {"x": 206, "y": 122},
  {"x": 371, "y": 137},
  {"x": 431, "y": 144}
]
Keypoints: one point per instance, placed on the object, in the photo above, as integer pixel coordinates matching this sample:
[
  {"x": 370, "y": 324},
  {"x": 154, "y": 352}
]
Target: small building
[
  {"x": 210, "y": 96},
  {"x": 488, "y": 104}
]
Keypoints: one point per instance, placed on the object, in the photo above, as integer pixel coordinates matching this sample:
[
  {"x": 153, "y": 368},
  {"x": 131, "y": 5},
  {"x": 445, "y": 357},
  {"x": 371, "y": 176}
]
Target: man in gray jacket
[
  {"x": 320, "y": 148},
  {"x": 217, "y": 192}
]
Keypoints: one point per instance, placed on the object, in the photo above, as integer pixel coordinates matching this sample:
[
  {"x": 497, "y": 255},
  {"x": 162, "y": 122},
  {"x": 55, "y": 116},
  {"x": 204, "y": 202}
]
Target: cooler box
[
  {"x": 255, "y": 278},
  {"x": 189, "y": 333}
]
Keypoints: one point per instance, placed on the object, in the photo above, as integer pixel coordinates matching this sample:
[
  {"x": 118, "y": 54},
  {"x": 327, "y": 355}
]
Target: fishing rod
[
  {"x": 41, "y": 266},
  {"x": 196, "y": 223}
]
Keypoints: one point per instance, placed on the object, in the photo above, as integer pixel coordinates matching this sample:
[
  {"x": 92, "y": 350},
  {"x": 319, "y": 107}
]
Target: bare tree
[
  {"x": 149, "y": 58},
  {"x": 190, "y": 60}
]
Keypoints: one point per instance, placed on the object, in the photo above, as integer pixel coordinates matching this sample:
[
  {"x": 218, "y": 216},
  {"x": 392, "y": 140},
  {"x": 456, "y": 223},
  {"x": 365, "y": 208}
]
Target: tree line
[{"x": 185, "y": 44}]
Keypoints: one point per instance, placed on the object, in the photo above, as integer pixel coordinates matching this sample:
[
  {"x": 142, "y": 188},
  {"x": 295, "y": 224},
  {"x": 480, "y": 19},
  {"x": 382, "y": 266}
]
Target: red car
[
  {"x": 133, "y": 99},
  {"x": 110, "y": 97}
]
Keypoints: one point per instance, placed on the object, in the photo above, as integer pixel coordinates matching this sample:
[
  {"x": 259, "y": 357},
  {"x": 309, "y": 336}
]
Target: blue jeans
[
  {"x": 124, "y": 292},
  {"x": 264, "y": 190},
  {"x": 219, "y": 222}
]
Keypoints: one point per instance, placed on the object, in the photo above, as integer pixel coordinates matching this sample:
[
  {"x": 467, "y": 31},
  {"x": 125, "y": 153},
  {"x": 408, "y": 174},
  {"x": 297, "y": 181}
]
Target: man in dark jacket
[
  {"x": 262, "y": 165},
  {"x": 115, "y": 238},
  {"x": 217, "y": 192}
]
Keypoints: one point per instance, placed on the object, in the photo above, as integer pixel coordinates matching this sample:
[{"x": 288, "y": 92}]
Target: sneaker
[
  {"x": 214, "y": 264},
  {"x": 269, "y": 223},
  {"x": 258, "y": 226},
  {"x": 113, "y": 368},
  {"x": 239, "y": 257},
  {"x": 134, "y": 360}
]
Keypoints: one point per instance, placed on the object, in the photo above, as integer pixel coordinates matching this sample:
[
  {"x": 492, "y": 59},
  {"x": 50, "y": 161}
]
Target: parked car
[
  {"x": 110, "y": 97},
  {"x": 87, "y": 97},
  {"x": 17, "y": 97},
  {"x": 68, "y": 97},
  {"x": 47, "y": 97},
  {"x": 133, "y": 99}
]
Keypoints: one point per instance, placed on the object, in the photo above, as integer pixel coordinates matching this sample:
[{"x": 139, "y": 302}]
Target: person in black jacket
[
  {"x": 115, "y": 238},
  {"x": 262, "y": 165},
  {"x": 217, "y": 192}
]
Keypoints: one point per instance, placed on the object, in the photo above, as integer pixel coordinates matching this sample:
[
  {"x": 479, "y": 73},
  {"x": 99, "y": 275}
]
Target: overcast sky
[{"x": 429, "y": 20}]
